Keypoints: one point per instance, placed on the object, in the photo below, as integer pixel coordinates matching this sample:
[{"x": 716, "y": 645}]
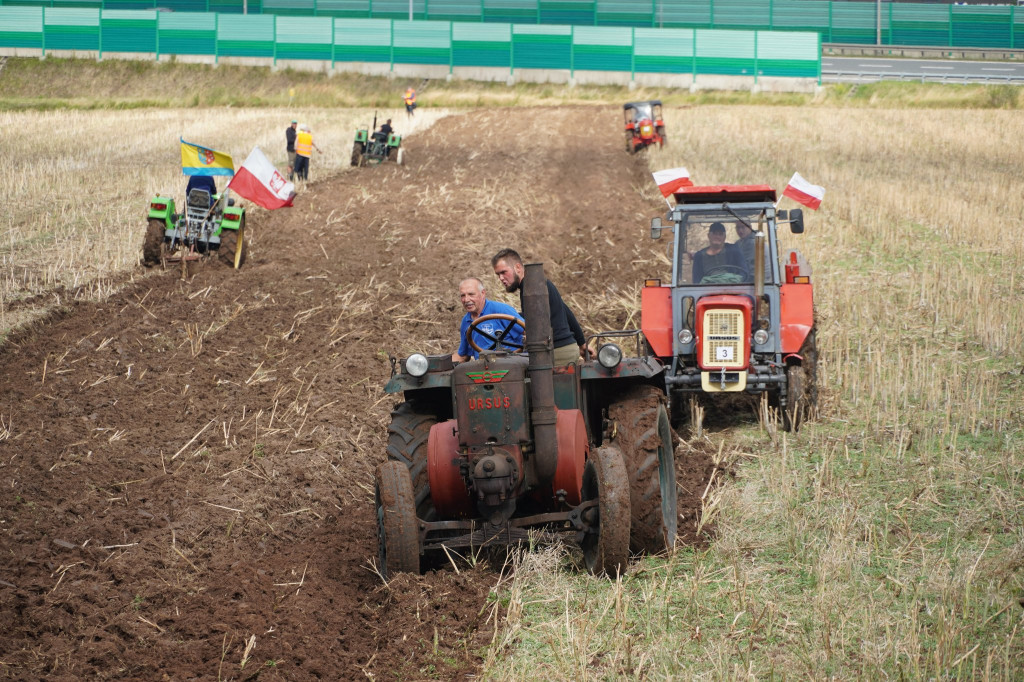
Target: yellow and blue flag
[{"x": 196, "y": 160}]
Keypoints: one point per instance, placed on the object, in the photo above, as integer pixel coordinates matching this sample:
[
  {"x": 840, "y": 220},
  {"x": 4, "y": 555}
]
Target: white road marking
[
  {"x": 947, "y": 68},
  {"x": 984, "y": 68},
  {"x": 875, "y": 66}
]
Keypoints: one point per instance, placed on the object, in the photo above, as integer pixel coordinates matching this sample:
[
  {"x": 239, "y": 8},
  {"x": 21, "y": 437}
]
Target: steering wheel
[
  {"x": 498, "y": 342},
  {"x": 733, "y": 269}
]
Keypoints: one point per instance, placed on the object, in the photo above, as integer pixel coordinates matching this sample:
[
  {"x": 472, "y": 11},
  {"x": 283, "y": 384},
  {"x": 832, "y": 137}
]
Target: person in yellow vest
[
  {"x": 304, "y": 147},
  {"x": 410, "y": 100}
]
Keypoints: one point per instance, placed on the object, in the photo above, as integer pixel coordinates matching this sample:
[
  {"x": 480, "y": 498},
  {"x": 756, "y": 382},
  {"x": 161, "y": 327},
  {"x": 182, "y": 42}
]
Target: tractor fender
[
  {"x": 233, "y": 217},
  {"x": 362, "y": 136},
  {"x": 448, "y": 489},
  {"x": 394, "y": 140},
  {"x": 161, "y": 208},
  {"x": 796, "y": 315},
  {"x": 656, "y": 319}
]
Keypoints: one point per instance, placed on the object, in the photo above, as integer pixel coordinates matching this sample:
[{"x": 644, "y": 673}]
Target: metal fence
[
  {"x": 976, "y": 26},
  {"x": 400, "y": 41}
]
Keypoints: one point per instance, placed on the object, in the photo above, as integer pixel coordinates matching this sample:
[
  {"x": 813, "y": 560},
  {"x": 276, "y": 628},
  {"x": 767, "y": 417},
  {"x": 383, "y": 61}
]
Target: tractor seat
[
  {"x": 380, "y": 137},
  {"x": 199, "y": 198}
]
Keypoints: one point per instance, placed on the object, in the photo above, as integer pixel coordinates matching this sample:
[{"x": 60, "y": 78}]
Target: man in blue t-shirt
[{"x": 474, "y": 300}]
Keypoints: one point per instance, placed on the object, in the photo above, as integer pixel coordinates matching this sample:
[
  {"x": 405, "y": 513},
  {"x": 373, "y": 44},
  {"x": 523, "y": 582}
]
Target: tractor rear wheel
[
  {"x": 606, "y": 544},
  {"x": 802, "y": 386},
  {"x": 629, "y": 143},
  {"x": 230, "y": 242},
  {"x": 398, "y": 536},
  {"x": 153, "y": 246},
  {"x": 643, "y": 433},
  {"x": 408, "y": 434},
  {"x": 661, "y": 133}
]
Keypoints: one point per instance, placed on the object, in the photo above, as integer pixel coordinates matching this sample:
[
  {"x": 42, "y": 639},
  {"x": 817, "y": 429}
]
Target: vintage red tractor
[
  {"x": 734, "y": 321},
  {"x": 644, "y": 125},
  {"x": 507, "y": 447}
]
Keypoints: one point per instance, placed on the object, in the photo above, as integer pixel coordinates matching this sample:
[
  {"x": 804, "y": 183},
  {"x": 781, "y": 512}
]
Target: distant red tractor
[
  {"x": 644, "y": 125},
  {"x": 748, "y": 324}
]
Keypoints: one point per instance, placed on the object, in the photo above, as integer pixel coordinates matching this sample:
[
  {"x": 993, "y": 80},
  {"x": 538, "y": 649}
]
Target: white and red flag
[
  {"x": 803, "y": 192},
  {"x": 259, "y": 182},
  {"x": 672, "y": 179}
]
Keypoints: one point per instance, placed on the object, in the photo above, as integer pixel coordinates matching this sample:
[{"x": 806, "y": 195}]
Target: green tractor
[
  {"x": 210, "y": 224},
  {"x": 376, "y": 147}
]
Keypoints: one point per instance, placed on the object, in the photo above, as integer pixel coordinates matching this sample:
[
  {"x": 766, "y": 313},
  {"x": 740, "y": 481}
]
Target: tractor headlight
[
  {"x": 760, "y": 337},
  {"x": 417, "y": 364},
  {"x": 609, "y": 356},
  {"x": 685, "y": 336}
]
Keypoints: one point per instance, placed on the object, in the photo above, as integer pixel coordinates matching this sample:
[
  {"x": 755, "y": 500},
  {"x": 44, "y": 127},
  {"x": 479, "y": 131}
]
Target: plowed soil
[{"x": 187, "y": 467}]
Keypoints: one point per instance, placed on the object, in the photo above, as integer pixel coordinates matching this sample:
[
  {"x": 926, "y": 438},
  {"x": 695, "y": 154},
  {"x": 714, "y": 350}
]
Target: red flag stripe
[
  {"x": 247, "y": 185},
  {"x": 808, "y": 200}
]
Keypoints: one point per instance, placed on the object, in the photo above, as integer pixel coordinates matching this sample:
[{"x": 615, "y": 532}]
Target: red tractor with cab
[
  {"x": 738, "y": 315},
  {"x": 644, "y": 125}
]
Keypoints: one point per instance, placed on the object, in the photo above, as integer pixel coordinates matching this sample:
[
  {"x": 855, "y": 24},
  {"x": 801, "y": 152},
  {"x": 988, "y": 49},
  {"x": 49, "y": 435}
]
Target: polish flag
[
  {"x": 672, "y": 179},
  {"x": 259, "y": 182},
  {"x": 803, "y": 192}
]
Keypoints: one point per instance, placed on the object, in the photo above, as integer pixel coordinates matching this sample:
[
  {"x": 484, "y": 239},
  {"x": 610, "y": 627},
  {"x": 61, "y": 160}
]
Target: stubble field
[{"x": 188, "y": 464}]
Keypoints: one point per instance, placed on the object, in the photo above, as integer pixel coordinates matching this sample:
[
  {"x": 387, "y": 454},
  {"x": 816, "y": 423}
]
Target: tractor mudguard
[
  {"x": 406, "y": 382},
  {"x": 162, "y": 208},
  {"x": 232, "y": 218},
  {"x": 362, "y": 136},
  {"x": 656, "y": 319},
  {"x": 796, "y": 316},
  {"x": 629, "y": 367},
  {"x": 394, "y": 140}
]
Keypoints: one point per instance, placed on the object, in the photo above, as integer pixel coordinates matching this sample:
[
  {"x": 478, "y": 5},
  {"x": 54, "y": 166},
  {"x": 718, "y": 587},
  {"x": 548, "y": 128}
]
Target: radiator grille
[{"x": 723, "y": 339}]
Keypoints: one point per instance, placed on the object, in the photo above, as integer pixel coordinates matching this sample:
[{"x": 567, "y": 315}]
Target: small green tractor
[
  {"x": 210, "y": 224},
  {"x": 374, "y": 147}
]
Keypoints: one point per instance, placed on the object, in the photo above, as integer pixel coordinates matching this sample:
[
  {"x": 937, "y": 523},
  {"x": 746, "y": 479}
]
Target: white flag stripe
[
  {"x": 797, "y": 182},
  {"x": 663, "y": 176}
]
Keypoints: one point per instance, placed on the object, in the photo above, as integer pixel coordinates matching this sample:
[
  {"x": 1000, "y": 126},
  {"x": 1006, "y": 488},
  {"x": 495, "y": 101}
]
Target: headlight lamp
[
  {"x": 760, "y": 337},
  {"x": 417, "y": 364},
  {"x": 609, "y": 356},
  {"x": 685, "y": 336}
]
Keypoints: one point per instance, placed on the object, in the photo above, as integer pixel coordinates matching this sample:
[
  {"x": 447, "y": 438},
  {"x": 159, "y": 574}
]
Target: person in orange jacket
[
  {"x": 304, "y": 147},
  {"x": 410, "y": 100}
]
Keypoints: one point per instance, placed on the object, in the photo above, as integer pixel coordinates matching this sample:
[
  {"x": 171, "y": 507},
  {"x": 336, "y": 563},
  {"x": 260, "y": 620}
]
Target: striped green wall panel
[
  {"x": 576, "y": 12},
  {"x": 305, "y": 38},
  {"x": 343, "y": 8},
  {"x": 685, "y": 13},
  {"x": 742, "y": 14},
  {"x": 1018, "y": 30},
  {"x": 800, "y": 15},
  {"x": 187, "y": 33},
  {"x": 511, "y": 11},
  {"x": 301, "y": 8},
  {"x": 542, "y": 47},
  {"x": 626, "y": 13},
  {"x": 919, "y": 24},
  {"x": 854, "y": 22},
  {"x": 193, "y": 6},
  {"x": 981, "y": 26},
  {"x": 422, "y": 42},
  {"x": 72, "y": 29},
  {"x": 247, "y": 35},
  {"x": 399, "y": 9},
  {"x": 482, "y": 45},
  {"x": 603, "y": 48},
  {"x": 128, "y": 30},
  {"x": 21, "y": 27},
  {"x": 362, "y": 40},
  {"x": 668, "y": 50},
  {"x": 454, "y": 10},
  {"x": 233, "y": 6},
  {"x": 794, "y": 55},
  {"x": 725, "y": 52}
]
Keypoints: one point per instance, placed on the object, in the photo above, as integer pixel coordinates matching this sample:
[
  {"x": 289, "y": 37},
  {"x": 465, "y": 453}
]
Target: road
[{"x": 869, "y": 70}]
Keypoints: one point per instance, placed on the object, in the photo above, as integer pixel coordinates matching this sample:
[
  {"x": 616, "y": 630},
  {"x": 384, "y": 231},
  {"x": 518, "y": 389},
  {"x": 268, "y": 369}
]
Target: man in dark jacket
[
  {"x": 289, "y": 138},
  {"x": 566, "y": 331}
]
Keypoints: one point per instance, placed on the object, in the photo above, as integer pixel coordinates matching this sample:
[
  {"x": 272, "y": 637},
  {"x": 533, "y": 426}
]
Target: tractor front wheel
[
  {"x": 606, "y": 542},
  {"x": 398, "y": 537},
  {"x": 400, "y": 157},
  {"x": 153, "y": 246},
  {"x": 408, "y": 434},
  {"x": 232, "y": 243},
  {"x": 643, "y": 433}
]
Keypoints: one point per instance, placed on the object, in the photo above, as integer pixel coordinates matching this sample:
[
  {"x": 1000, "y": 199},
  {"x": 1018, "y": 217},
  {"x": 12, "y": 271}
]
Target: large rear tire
[
  {"x": 661, "y": 133},
  {"x": 802, "y": 386},
  {"x": 153, "y": 245},
  {"x": 357, "y": 153},
  {"x": 230, "y": 242},
  {"x": 398, "y": 537},
  {"x": 643, "y": 433},
  {"x": 606, "y": 547},
  {"x": 408, "y": 434}
]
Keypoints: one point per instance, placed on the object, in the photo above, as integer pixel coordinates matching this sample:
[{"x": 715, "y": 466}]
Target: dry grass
[
  {"x": 76, "y": 183},
  {"x": 883, "y": 541}
]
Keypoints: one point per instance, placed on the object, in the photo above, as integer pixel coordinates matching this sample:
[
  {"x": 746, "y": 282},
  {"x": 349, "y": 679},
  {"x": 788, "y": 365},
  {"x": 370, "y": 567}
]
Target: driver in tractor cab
[
  {"x": 384, "y": 134},
  {"x": 504, "y": 334},
  {"x": 717, "y": 255}
]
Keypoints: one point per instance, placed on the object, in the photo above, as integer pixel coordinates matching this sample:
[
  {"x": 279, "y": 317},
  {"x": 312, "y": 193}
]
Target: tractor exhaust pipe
[
  {"x": 758, "y": 277},
  {"x": 540, "y": 347}
]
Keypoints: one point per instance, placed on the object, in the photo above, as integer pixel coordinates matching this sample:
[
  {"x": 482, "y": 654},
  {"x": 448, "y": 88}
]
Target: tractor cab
[
  {"x": 644, "y": 124},
  {"x": 737, "y": 314}
]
